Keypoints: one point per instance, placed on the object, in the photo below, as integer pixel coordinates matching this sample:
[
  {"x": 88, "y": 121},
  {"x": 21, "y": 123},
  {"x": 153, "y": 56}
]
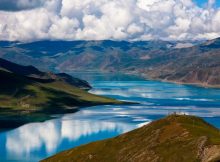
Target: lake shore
[{"x": 16, "y": 118}]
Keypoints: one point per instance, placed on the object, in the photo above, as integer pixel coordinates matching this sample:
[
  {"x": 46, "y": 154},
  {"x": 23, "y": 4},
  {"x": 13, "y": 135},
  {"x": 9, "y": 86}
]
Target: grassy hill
[
  {"x": 31, "y": 98},
  {"x": 176, "y": 138},
  {"x": 44, "y": 77}
]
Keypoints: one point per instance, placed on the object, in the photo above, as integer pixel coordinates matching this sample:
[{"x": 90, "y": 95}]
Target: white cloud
[
  {"x": 63, "y": 28},
  {"x": 111, "y": 19}
]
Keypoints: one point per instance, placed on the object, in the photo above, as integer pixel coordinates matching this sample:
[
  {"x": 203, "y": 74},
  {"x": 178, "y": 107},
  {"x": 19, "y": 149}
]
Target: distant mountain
[
  {"x": 176, "y": 138},
  {"x": 199, "y": 64},
  {"x": 80, "y": 55},
  {"x": 182, "y": 62},
  {"x": 27, "y": 94}
]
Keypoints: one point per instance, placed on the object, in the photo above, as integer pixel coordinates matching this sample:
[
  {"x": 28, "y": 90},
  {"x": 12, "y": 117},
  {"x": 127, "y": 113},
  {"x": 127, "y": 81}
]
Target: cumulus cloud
[{"x": 110, "y": 19}]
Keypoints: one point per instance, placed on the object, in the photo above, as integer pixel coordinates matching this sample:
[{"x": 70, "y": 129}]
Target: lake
[{"x": 35, "y": 141}]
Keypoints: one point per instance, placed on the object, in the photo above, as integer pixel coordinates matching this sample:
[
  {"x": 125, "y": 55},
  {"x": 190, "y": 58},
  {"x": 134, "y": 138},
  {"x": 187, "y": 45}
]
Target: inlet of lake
[{"x": 35, "y": 141}]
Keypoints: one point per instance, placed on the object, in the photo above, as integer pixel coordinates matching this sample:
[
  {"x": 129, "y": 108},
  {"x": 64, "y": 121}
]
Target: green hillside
[
  {"x": 23, "y": 99},
  {"x": 176, "y": 138}
]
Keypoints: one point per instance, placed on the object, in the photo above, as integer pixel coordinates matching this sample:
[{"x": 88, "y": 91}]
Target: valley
[
  {"x": 109, "y": 81},
  {"x": 197, "y": 64}
]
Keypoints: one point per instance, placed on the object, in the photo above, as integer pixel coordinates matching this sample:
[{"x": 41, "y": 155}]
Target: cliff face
[{"x": 175, "y": 138}]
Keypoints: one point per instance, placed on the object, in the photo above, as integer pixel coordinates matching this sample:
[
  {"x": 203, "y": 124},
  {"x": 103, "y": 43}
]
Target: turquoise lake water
[{"x": 35, "y": 141}]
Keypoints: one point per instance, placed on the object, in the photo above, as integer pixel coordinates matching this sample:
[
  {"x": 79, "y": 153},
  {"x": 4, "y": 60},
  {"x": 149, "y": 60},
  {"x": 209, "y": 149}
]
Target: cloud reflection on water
[
  {"x": 73, "y": 130},
  {"x": 140, "y": 89},
  {"x": 32, "y": 137},
  {"x": 154, "y": 90}
]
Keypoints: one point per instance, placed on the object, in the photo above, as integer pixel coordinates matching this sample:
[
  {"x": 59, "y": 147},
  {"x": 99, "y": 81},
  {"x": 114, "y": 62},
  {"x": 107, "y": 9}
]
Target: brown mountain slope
[
  {"x": 161, "y": 60},
  {"x": 172, "y": 139},
  {"x": 196, "y": 65}
]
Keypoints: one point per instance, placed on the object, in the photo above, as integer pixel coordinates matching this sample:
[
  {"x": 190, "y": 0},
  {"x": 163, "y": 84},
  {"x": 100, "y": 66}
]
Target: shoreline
[
  {"x": 174, "y": 130},
  {"x": 12, "y": 120},
  {"x": 202, "y": 85},
  {"x": 143, "y": 76}
]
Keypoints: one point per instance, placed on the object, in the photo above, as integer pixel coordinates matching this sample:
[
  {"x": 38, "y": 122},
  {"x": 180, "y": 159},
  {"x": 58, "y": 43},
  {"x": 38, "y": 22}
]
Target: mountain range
[
  {"x": 77, "y": 55},
  {"x": 181, "y": 62}
]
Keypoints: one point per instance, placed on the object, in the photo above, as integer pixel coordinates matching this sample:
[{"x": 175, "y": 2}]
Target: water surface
[{"x": 36, "y": 141}]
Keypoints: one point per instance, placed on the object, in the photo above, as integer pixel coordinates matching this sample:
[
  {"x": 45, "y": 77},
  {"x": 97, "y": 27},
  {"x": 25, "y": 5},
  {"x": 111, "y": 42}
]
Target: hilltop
[{"x": 175, "y": 138}]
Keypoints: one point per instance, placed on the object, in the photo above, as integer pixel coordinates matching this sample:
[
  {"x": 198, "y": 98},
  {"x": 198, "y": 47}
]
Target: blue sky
[{"x": 203, "y": 2}]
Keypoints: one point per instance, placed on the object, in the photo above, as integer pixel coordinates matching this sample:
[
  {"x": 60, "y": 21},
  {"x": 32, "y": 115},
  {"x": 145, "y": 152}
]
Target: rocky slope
[
  {"x": 195, "y": 65},
  {"x": 175, "y": 138}
]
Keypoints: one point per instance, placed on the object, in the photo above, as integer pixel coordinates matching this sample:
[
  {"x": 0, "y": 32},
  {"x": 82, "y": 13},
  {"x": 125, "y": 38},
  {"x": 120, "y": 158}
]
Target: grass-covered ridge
[
  {"x": 35, "y": 97},
  {"x": 20, "y": 93},
  {"x": 175, "y": 138}
]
